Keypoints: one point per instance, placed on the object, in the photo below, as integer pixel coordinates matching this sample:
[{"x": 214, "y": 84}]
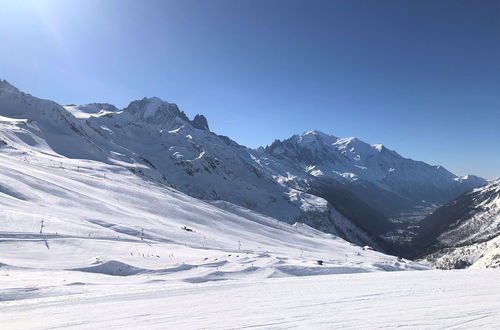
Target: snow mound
[{"x": 112, "y": 267}]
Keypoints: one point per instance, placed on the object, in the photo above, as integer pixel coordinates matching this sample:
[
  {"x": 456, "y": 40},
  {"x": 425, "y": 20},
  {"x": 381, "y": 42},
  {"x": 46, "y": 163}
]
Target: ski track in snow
[{"x": 462, "y": 299}]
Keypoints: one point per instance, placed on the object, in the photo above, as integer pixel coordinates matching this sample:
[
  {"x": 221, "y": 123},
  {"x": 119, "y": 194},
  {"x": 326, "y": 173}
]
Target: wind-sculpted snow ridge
[{"x": 465, "y": 232}]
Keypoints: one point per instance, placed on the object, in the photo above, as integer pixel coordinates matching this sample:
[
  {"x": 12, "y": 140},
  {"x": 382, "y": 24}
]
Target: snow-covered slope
[
  {"x": 208, "y": 166},
  {"x": 77, "y": 228},
  {"x": 87, "y": 110},
  {"x": 44, "y": 125},
  {"x": 387, "y": 181},
  {"x": 385, "y": 300},
  {"x": 157, "y": 140},
  {"x": 78, "y": 216},
  {"x": 100, "y": 206},
  {"x": 464, "y": 232}
]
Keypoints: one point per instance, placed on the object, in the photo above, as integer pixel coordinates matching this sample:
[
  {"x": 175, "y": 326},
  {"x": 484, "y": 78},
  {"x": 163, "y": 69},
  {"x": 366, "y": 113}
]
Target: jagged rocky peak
[
  {"x": 156, "y": 111},
  {"x": 319, "y": 147},
  {"x": 306, "y": 147},
  {"x": 351, "y": 159},
  {"x": 153, "y": 107},
  {"x": 309, "y": 137},
  {"x": 200, "y": 122},
  {"x": 6, "y": 86}
]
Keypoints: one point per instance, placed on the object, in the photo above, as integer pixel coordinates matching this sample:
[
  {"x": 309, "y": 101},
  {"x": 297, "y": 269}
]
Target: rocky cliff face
[{"x": 464, "y": 232}]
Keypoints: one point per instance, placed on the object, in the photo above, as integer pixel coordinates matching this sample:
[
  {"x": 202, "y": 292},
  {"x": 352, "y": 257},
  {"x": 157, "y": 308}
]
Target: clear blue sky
[{"x": 422, "y": 77}]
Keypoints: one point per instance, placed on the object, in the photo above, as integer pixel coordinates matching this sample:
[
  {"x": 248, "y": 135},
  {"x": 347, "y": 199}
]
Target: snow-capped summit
[
  {"x": 316, "y": 147},
  {"x": 98, "y": 107},
  {"x": 19, "y": 105},
  {"x": 473, "y": 180},
  {"x": 163, "y": 114},
  {"x": 156, "y": 111},
  {"x": 33, "y": 123},
  {"x": 372, "y": 170},
  {"x": 312, "y": 137},
  {"x": 315, "y": 134},
  {"x": 310, "y": 146},
  {"x": 358, "y": 150}
]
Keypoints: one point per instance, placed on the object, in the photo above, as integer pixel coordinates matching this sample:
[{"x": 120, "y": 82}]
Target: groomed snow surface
[{"x": 465, "y": 299}]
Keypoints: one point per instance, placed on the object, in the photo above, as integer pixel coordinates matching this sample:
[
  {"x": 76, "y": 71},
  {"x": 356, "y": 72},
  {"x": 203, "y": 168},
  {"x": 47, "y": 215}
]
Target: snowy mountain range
[
  {"x": 387, "y": 181},
  {"x": 123, "y": 217},
  {"x": 341, "y": 186},
  {"x": 77, "y": 206},
  {"x": 465, "y": 232}
]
